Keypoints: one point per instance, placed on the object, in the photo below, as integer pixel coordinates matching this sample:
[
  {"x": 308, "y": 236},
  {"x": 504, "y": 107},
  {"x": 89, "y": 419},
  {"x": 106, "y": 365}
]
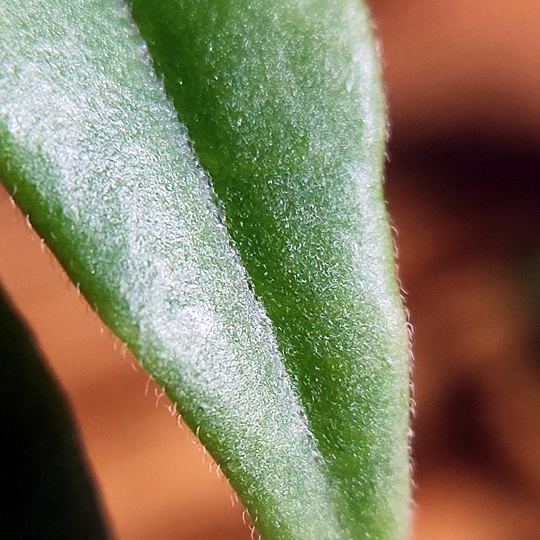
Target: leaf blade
[{"x": 284, "y": 105}]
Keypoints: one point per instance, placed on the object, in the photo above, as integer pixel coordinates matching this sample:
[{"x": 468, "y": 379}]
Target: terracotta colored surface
[{"x": 463, "y": 186}]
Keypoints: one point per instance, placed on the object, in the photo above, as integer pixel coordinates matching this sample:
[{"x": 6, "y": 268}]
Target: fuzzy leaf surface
[
  {"x": 304, "y": 408},
  {"x": 284, "y": 105}
]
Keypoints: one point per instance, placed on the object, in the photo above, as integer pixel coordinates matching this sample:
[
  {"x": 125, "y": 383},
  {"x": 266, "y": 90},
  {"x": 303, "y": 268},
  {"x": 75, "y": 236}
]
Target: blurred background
[{"x": 463, "y": 190}]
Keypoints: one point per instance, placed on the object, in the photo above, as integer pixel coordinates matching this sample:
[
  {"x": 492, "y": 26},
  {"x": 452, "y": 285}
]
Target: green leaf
[
  {"x": 46, "y": 489},
  {"x": 284, "y": 104},
  {"x": 306, "y": 411}
]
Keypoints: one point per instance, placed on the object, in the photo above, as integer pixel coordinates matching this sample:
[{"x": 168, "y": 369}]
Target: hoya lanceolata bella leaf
[{"x": 274, "y": 324}]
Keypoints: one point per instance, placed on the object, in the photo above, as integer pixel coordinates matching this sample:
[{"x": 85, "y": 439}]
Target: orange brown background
[{"x": 463, "y": 189}]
